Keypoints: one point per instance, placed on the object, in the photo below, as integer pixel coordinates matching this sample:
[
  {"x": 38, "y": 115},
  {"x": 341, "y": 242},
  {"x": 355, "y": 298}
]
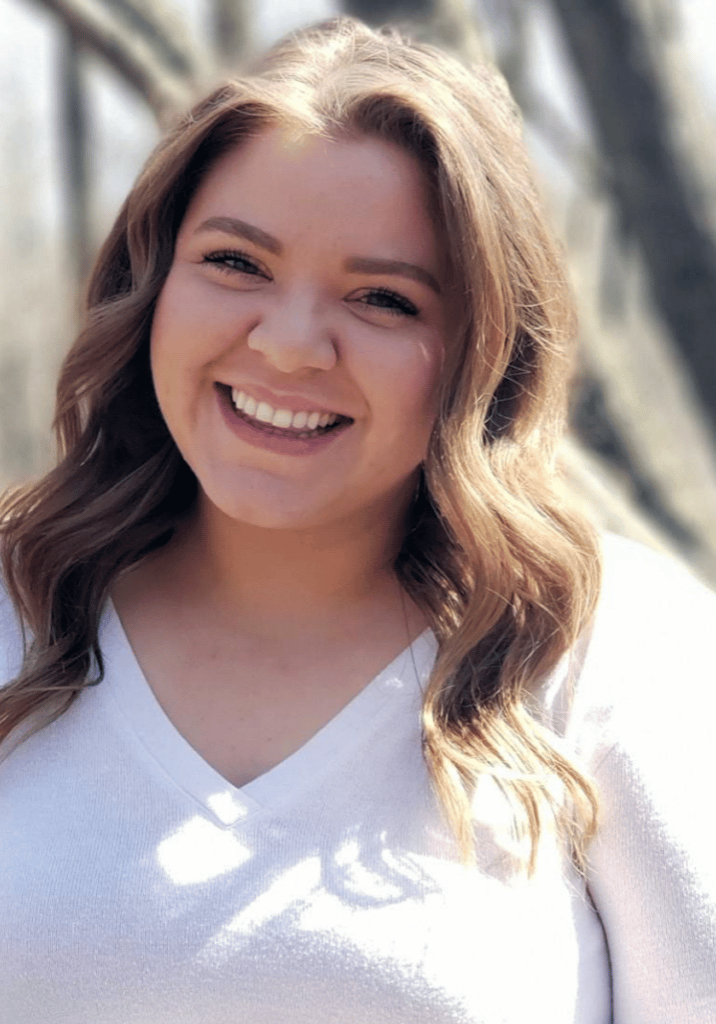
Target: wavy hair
[{"x": 506, "y": 572}]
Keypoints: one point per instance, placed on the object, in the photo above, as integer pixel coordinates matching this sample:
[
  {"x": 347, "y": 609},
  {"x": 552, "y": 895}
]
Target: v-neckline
[{"x": 228, "y": 804}]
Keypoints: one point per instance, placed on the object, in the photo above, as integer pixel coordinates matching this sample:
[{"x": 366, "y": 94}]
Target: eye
[
  {"x": 389, "y": 302},
  {"x": 232, "y": 262}
]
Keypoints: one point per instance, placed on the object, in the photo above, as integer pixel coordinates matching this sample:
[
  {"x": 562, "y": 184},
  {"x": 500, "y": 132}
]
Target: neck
[{"x": 291, "y": 581}]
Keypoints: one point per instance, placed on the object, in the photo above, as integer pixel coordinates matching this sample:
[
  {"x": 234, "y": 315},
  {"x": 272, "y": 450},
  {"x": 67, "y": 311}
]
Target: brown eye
[
  {"x": 391, "y": 302},
  {"x": 234, "y": 262}
]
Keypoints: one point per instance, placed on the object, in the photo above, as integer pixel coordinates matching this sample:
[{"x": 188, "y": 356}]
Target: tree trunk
[
  {"x": 144, "y": 43},
  {"x": 74, "y": 145},
  {"x": 231, "y": 30},
  {"x": 656, "y": 200},
  {"x": 446, "y": 22}
]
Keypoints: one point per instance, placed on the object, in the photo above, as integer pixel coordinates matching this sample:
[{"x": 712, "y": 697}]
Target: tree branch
[{"x": 143, "y": 44}]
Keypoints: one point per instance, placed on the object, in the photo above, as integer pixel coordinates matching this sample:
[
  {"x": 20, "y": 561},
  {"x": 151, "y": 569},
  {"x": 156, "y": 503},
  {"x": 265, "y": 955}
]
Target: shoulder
[
  {"x": 641, "y": 720},
  {"x": 647, "y": 659},
  {"x": 653, "y": 626},
  {"x": 651, "y": 587}
]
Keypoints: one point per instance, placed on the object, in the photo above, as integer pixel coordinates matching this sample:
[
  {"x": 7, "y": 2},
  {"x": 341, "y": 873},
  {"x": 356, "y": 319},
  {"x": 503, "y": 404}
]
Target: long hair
[{"x": 506, "y": 573}]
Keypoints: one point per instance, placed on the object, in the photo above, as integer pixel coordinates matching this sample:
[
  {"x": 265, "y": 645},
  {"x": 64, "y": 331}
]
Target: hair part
[{"x": 505, "y": 571}]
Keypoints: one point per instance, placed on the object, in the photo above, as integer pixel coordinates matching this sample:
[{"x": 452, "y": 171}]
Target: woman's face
[{"x": 307, "y": 285}]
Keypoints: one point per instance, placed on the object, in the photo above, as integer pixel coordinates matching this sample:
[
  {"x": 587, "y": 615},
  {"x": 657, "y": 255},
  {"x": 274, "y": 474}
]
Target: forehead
[{"x": 298, "y": 186}]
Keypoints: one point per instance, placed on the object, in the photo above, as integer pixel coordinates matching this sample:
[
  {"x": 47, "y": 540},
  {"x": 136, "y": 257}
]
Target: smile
[
  {"x": 304, "y": 423},
  {"x": 263, "y": 433}
]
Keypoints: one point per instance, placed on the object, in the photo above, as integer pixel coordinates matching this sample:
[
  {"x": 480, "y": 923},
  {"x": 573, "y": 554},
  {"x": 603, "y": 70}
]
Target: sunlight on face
[{"x": 307, "y": 277}]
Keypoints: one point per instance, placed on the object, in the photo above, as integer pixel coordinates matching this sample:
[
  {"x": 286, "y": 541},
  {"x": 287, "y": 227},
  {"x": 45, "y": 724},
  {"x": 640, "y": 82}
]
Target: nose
[{"x": 292, "y": 336}]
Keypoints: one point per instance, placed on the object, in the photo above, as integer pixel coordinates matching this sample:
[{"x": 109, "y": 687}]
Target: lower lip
[{"x": 273, "y": 442}]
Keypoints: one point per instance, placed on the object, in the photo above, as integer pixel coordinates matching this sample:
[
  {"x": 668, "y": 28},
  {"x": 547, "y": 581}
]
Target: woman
[{"x": 308, "y": 432}]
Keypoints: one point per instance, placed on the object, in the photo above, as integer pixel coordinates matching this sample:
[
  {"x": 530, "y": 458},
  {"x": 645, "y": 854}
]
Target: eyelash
[
  {"x": 402, "y": 307},
  {"x": 222, "y": 261}
]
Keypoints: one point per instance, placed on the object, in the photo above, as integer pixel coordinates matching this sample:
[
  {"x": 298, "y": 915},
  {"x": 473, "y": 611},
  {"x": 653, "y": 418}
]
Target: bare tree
[
  {"x": 231, "y": 30},
  {"x": 448, "y": 22},
  {"x": 654, "y": 192},
  {"x": 74, "y": 144},
  {"x": 635, "y": 481},
  {"x": 146, "y": 44}
]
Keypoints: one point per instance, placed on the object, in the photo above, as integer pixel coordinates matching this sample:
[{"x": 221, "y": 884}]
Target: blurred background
[{"x": 619, "y": 103}]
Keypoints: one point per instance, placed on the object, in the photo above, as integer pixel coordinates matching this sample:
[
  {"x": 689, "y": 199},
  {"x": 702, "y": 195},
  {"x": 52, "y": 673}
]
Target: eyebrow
[
  {"x": 354, "y": 264},
  {"x": 368, "y": 265},
  {"x": 232, "y": 226}
]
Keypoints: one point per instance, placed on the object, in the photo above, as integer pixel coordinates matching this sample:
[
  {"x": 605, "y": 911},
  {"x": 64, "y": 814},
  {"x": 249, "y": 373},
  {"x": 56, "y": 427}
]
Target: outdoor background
[{"x": 619, "y": 101}]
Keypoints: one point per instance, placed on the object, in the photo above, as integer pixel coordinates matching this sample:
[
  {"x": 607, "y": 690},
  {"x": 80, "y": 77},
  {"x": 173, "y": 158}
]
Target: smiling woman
[
  {"x": 311, "y": 691},
  {"x": 336, "y": 300}
]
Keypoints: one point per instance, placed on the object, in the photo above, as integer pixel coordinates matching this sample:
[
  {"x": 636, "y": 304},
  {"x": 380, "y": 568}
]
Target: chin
[
  {"x": 262, "y": 501},
  {"x": 270, "y": 518},
  {"x": 271, "y": 510}
]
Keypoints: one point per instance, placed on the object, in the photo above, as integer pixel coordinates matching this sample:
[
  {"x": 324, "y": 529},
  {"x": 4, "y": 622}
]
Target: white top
[{"x": 137, "y": 886}]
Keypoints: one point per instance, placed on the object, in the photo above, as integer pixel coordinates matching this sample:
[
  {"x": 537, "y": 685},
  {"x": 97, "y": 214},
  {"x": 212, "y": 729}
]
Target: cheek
[
  {"x": 173, "y": 353},
  {"x": 406, "y": 388},
  {"x": 183, "y": 338},
  {"x": 193, "y": 318},
  {"x": 419, "y": 380},
  {"x": 162, "y": 344},
  {"x": 426, "y": 392}
]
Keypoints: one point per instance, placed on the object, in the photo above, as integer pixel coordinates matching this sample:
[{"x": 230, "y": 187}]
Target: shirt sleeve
[
  {"x": 11, "y": 645},
  {"x": 644, "y": 718}
]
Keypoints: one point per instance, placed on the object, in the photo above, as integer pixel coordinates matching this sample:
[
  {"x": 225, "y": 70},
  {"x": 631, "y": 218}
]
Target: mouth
[{"x": 304, "y": 426}]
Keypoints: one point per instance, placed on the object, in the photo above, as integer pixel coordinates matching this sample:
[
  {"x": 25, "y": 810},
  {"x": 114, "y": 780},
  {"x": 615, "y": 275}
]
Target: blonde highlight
[{"x": 506, "y": 572}]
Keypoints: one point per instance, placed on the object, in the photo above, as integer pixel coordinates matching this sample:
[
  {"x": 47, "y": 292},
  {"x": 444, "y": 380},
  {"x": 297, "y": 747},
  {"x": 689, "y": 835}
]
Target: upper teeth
[{"x": 266, "y": 413}]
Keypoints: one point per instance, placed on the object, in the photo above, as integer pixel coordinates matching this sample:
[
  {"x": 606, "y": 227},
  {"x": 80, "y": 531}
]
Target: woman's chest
[
  {"x": 137, "y": 886},
  {"x": 293, "y": 947},
  {"x": 138, "y": 907}
]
